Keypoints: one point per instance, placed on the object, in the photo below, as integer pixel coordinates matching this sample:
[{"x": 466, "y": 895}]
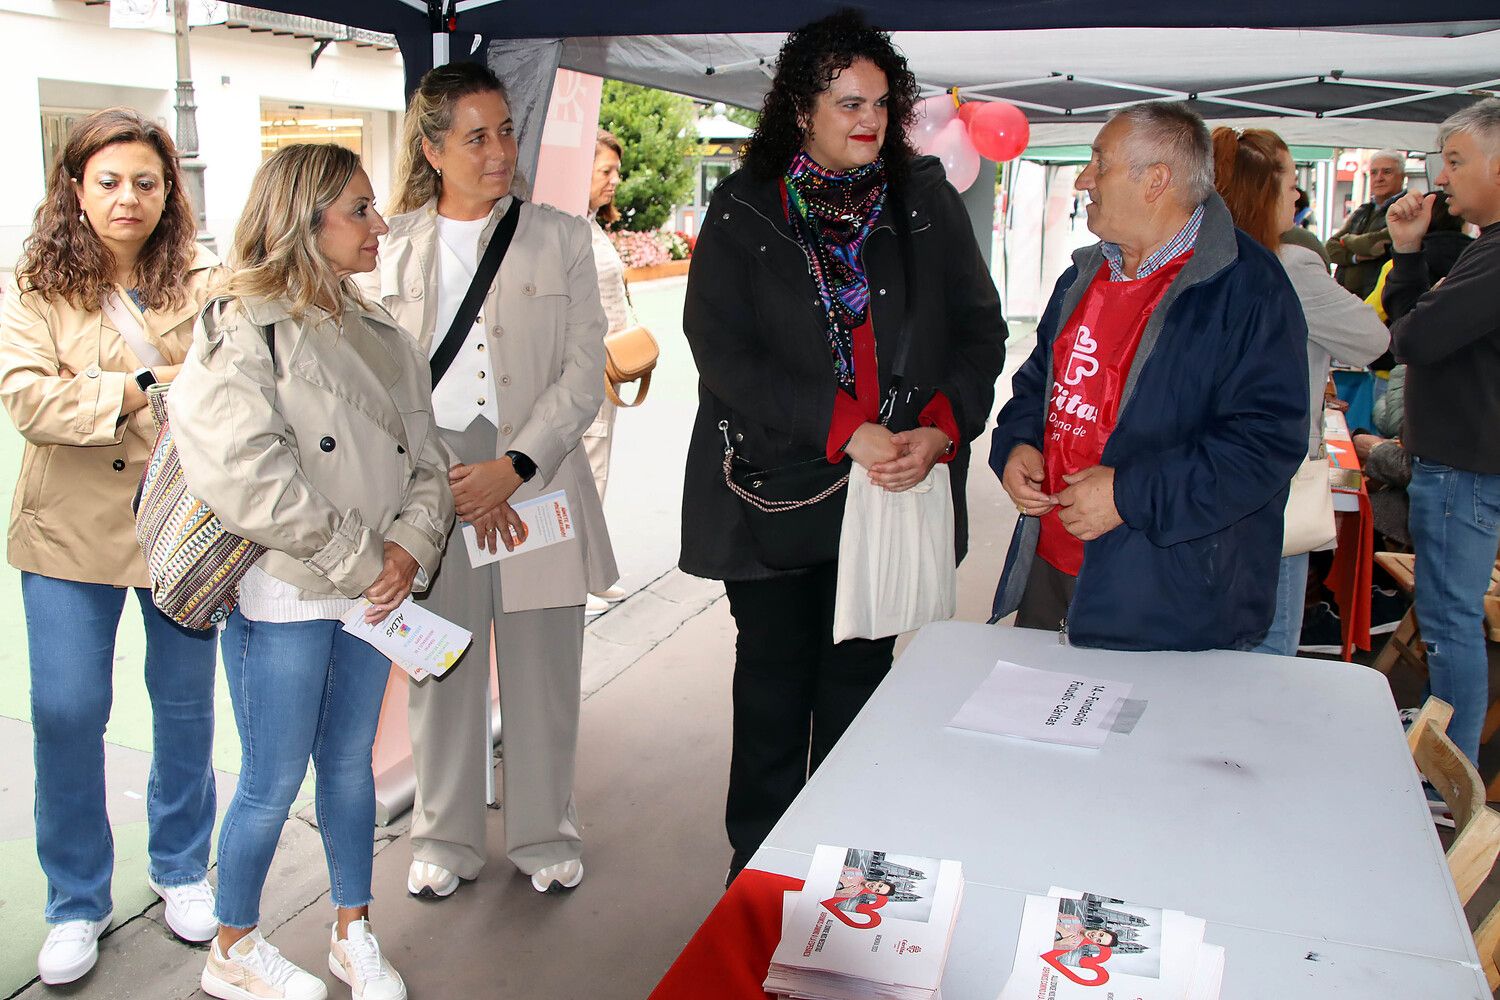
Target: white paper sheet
[
  {"x": 1043, "y": 705},
  {"x": 548, "y": 519},
  {"x": 416, "y": 640}
]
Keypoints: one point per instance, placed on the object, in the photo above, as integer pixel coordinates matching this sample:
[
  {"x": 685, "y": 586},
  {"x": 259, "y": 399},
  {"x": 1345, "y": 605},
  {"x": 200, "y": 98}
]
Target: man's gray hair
[
  {"x": 1170, "y": 132},
  {"x": 1393, "y": 155},
  {"x": 1481, "y": 120}
]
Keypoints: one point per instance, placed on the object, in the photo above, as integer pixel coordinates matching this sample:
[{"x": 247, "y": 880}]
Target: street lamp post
[{"x": 187, "y": 123}]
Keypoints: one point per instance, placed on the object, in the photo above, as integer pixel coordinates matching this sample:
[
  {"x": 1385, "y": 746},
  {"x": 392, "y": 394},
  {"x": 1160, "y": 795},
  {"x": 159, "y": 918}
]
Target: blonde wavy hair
[
  {"x": 429, "y": 116},
  {"x": 275, "y": 253}
]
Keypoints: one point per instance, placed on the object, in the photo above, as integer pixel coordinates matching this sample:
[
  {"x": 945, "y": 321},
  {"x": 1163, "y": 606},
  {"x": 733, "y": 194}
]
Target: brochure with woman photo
[
  {"x": 1082, "y": 944},
  {"x": 868, "y": 923}
]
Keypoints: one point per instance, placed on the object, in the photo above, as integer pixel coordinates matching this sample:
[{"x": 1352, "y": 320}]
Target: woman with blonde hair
[
  {"x": 102, "y": 306},
  {"x": 1255, "y": 175},
  {"x": 517, "y": 378},
  {"x": 303, "y": 418}
]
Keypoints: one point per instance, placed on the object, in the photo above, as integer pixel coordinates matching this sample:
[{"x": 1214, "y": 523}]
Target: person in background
[
  {"x": 112, "y": 246},
  {"x": 599, "y": 439},
  {"x": 1363, "y": 244},
  {"x": 1153, "y": 433},
  {"x": 1254, "y": 174},
  {"x": 1300, "y": 233},
  {"x": 525, "y": 384},
  {"x": 1448, "y": 334},
  {"x": 303, "y": 419},
  {"x": 797, "y": 298}
]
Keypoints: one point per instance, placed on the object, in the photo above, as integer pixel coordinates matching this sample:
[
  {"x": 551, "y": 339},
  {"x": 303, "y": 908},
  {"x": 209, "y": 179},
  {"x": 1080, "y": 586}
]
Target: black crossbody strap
[
  {"x": 484, "y": 276},
  {"x": 900, "y": 386}
]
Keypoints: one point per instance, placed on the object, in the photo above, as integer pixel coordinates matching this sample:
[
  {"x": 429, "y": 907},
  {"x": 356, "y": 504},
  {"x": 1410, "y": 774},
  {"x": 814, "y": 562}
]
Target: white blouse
[{"x": 611, "y": 280}]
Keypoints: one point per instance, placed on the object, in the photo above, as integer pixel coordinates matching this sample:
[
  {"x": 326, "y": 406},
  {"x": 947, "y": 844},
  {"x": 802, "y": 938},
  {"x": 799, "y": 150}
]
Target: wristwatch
[
  {"x": 144, "y": 377},
  {"x": 524, "y": 466}
]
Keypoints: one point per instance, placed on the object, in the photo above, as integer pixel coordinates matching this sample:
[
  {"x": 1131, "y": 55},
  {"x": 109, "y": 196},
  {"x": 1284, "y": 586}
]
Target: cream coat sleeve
[
  {"x": 564, "y": 410},
  {"x": 1339, "y": 321},
  {"x": 48, "y": 408},
  {"x": 233, "y": 444}
]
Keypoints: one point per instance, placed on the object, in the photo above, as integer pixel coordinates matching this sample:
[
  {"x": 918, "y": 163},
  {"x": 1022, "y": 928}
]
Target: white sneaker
[
  {"x": 555, "y": 878},
  {"x": 595, "y": 606},
  {"x": 70, "y": 951},
  {"x": 254, "y": 970},
  {"x": 430, "y": 881},
  {"x": 190, "y": 909},
  {"x": 357, "y": 961},
  {"x": 613, "y": 595}
]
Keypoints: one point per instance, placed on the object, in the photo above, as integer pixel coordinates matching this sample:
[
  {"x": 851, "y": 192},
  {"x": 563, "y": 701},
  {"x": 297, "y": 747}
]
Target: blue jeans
[
  {"x": 1455, "y": 527},
  {"x": 1291, "y": 591},
  {"x": 70, "y": 635},
  {"x": 301, "y": 690}
]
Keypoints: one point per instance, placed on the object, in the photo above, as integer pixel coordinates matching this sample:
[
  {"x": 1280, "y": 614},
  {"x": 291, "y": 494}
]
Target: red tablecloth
[
  {"x": 1349, "y": 577},
  {"x": 728, "y": 957}
]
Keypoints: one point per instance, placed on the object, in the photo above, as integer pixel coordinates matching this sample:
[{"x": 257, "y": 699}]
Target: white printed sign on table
[{"x": 1043, "y": 705}]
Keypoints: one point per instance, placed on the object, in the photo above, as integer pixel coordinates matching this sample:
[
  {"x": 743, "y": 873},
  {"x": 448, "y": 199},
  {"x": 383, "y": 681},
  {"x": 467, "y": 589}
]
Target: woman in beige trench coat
[
  {"x": 303, "y": 418},
  {"x": 511, "y": 410},
  {"x": 102, "y": 306}
]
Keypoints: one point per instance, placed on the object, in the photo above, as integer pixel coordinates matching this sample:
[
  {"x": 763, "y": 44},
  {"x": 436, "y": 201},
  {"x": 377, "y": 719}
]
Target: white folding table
[{"x": 1274, "y": 797}]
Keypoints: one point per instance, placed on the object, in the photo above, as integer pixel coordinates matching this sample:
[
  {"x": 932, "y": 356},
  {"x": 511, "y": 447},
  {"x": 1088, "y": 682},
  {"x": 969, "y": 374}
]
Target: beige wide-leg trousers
[
  {"x": 598, "y": 442},
  {"x": 538, "y": 657}
]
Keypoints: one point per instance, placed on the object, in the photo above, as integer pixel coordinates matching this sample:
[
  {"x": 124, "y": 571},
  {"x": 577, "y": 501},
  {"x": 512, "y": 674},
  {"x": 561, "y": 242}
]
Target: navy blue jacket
[{"x": 1212, "y": 427}]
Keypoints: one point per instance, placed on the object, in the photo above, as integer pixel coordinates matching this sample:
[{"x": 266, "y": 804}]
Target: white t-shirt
[{"x": 467, "y": 391}]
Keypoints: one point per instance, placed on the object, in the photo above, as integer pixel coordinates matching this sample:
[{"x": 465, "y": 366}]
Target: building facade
[{"x": 256, "y": 82}]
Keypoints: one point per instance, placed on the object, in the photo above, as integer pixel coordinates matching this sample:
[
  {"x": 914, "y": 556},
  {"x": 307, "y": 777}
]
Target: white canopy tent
[
  {"x": 1370, "y": 86},
  {"x": 1361, "y": 87}
]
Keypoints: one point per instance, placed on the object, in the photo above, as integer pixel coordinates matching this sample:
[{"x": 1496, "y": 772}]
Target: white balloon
[
  {"x": 933, "y": 115},
  {"x": 960, "y": 159}
]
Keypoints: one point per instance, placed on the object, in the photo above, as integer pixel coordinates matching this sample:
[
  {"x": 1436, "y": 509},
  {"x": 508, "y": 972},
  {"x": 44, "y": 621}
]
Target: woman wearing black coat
[{"x": 798, "y": 296}]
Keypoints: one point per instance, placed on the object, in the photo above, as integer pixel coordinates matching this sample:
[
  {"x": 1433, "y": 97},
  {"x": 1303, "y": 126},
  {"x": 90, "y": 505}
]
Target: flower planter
[{"x": 671, "y": 269}]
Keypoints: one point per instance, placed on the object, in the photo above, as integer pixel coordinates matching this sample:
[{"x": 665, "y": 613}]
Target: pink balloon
[
  {"x": 960, "y": 160},
  {"x": 933, "y": 115},
  {"x": 999, "y": 131}
]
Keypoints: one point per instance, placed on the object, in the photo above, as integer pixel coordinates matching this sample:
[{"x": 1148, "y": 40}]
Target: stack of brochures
[
  {"x": 867, "y": 924},
  {"x": 1080, "y": 944}
]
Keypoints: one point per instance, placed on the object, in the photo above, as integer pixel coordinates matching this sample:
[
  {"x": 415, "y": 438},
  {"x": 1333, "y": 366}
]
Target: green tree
[
  {"x": 742, "y": 116},
  {"x": 657, "y": 134}
]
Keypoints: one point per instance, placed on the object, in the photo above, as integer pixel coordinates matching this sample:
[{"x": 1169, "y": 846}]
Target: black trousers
[{"x": 795, "y": 692}]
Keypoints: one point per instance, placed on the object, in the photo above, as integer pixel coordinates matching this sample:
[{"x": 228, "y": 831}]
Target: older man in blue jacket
[{"x": 1152, "y": 434}]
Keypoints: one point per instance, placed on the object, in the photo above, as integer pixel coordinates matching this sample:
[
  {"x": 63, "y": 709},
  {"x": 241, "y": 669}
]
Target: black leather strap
[{"x": 484, "y": 276}]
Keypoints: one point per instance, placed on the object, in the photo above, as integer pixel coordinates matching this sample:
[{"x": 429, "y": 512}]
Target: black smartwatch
[
  {"x": 525, "y": 467},
  {"x": 144, "y": 377}
]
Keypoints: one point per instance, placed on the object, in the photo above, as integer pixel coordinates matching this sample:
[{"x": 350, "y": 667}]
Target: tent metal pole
[
  {"x": 1255, "y": 87},
  {"x": 1143, "y": 88},
  {"x": 1274, "y": 109},
  {"x": 1035, "y": 81},
  {"x": 1347, "y": 81},
  {"x": 1411, "y": 99}
]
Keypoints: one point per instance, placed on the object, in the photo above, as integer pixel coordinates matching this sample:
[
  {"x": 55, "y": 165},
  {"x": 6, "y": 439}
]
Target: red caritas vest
[{"x": 1091, "y": 358}]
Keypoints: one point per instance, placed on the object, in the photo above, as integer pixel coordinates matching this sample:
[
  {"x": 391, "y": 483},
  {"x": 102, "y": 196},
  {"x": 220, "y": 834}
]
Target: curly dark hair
[
  {"x": 64, "y": 258},
  {"x": 810, "y": 58}
]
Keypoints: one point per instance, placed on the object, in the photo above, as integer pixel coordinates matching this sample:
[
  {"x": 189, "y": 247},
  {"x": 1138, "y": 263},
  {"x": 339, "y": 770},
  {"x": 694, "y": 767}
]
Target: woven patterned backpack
[{"x": 195, "y": 563}]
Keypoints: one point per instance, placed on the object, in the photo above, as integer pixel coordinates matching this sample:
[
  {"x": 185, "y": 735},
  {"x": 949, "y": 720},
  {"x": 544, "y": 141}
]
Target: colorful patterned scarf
[{"x": 832, "y": 214}]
